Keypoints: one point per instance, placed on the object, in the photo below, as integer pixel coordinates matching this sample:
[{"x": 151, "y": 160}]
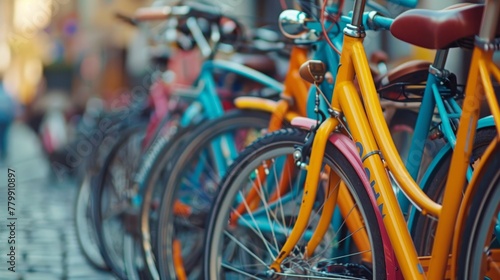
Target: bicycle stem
[{"x": 357, "y": 17}]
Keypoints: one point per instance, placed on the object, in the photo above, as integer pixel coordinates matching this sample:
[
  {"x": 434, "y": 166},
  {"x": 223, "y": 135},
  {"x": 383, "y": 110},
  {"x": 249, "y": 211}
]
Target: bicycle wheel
[
  {"x": 191, "y": 183},
  {"x": 241, "y": 242},
  {"x": 85, "y": 230},
  {"x": 424, "y": 228},
  {"x": 111, "y": 198},
  {"x": 479, "y": 256}
]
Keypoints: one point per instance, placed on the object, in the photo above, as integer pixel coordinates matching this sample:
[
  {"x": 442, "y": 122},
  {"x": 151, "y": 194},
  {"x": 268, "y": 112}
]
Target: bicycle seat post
[
  {"x": 357, "y": 14},
  {"x": 439, "y": 62}
]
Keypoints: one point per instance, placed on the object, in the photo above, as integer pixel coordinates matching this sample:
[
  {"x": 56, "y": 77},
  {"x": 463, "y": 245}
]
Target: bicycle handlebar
[
  {"x": 372, "y": 21},
  {"x": 376, "y": 21}
]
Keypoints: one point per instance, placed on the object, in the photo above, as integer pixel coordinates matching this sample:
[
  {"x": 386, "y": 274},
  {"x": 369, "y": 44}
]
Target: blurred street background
[{"x": 46, "y": 241}]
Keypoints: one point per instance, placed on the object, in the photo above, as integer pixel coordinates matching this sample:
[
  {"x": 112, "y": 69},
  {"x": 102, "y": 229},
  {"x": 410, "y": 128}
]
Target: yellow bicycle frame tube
[
  {"x": 371, "y": 139},
  {"x": 384, "y": 138}
]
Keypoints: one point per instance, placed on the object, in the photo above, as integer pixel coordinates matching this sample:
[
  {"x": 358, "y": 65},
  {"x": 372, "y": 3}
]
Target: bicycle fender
[{"x": 347, "y": 147}]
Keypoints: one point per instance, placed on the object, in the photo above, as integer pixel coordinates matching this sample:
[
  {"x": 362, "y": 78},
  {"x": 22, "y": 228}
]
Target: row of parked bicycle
[{"x": 327, "y": 175}]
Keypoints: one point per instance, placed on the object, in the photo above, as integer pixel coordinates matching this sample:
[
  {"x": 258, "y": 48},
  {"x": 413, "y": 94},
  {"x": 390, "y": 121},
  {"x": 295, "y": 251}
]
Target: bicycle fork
[{"x": 336, "y": 190}]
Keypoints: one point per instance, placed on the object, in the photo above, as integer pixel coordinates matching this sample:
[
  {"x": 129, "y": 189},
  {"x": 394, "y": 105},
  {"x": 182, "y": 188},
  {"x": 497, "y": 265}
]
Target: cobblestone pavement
[{"x": 46, "y": 245}]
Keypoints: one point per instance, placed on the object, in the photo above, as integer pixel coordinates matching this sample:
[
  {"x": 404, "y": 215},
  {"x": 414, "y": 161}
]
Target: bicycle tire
[
  {"x": 423, "y": 227},
  {"x": 475, "y": 254},
  {"x": 234, "y": 124},
  {"x": 84, "y": 224},
  {"x": 86, "y": 235},
  {"x": 113, "y": 255},
  {"x": 269, "y": 149},
  {"x": 166, "y": 150}
]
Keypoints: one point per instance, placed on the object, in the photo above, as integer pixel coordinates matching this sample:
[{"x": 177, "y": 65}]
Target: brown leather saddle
[{"x": 454, "y": 26}]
